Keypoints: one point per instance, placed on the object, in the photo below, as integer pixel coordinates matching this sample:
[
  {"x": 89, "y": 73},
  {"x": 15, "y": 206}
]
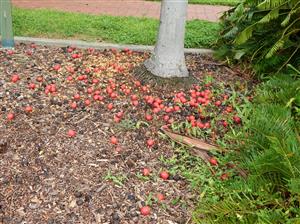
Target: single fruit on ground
[
  {"x": 213, "y": 161},
  {"x": 145, "y": 210},
  {"x": 146, "y": 172},
  {"x": 160, "y": 197},
  {"x": 71, "y": 133},
  {"x": 164, "y": 175},
  {"x": 114, "y": 140}
]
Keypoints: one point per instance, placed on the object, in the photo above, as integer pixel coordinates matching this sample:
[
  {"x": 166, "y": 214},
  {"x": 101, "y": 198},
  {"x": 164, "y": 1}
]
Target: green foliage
[
  {"x": 116, "y": 29},
  {"x": 212, "y": 2},
  {"x": 268, "y": 148},
  {"x": 264, "y": 32}
]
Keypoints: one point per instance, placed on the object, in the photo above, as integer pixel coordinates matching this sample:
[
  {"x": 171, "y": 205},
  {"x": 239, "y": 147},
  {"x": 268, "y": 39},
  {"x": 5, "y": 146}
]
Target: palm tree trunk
[{"x": 168, "y": 59}]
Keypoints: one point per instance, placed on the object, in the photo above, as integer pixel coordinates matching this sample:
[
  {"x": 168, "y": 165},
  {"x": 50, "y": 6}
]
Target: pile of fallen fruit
[{"x": 79, "y": 136}]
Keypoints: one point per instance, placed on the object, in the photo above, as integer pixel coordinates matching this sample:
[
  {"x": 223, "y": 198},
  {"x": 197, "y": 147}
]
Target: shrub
[
  {"x": 268, "y": 148},
  {"x": 263, "y": 32}
]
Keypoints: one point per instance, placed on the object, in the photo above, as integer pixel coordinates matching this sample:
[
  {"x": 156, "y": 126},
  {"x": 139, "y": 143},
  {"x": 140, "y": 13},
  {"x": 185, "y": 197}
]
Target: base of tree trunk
[{"x": 146, "y": 77}]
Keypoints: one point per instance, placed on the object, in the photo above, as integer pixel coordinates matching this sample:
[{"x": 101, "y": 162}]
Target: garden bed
[{"x": 58, "y": 161}]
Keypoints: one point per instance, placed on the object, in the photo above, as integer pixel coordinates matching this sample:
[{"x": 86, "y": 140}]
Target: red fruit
[
  {"x": 71, "y": 133},
  {"x": 169, "y": 109},
  {"x": 200, "y": 125},
  {"x": 156, "y": 110},
  {"x": 237, "y": 119},
  {"x": 69, "y": 78},
  {"x": 218, "y": 103},
  {"x": 164, "y": 175},
  {"x": 224, "y": 176},
  {"x": 166, "y": 118},
  {"x": 120, "y": 114},
  {"x": 73, "y": 105},
  {"x": 31, "y": 86},
  {"x": 150, "y": 142},
  {"x": 10, "y": 52},
  {"x": 10, "y": 116},
  {"x": 135, "y": 103},
  {"x": 28, "y": 109},
  {"x": 110, "y": 106},
  {"x": 76, "y": 96},
  {"x": 114, "y": 140},
  {"x": 148, "y": 117},
  {"x": 144, "y": 88},
  {"x": 56, "y": 67},
  {"x": 176, "y": 108},
  {"x": 95, "y": 81},
  {"x": 80, "y": 78},
  {"x": 127, "y": 91},
  {"x": 207, "y": 125},
  {"x": 75, "y": 56},
  {"x": 113, "y": 95},
  {"x": 160, "y": 197},
  {"x": 183, "y": 100},
  {"x": 52, "y": 88},
  {"x": 97, "y": 92},
  {"x": 137, "y": 83},
  {"x": 134, "y": 97},
  {"x": 87, "y": 102},
  {"x": 145, "y": 210},
  {"x": 228, "y": 109},
  {"x": 146, "y": 172},
  {"x": 225, "y": 124},
  {"x": 117, "y": 119},
  {"x": 109, "y": 90},
  {"x": 90, "y": 90},
  {"x": 96, "y": 97},
  {"x": 70, "y": 50},
  {"x": 213, "y": 161},
  {"x": 15, "y": 78}
]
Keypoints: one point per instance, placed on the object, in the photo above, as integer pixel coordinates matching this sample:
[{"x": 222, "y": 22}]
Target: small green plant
[
  {"x": 127, "y": 124},
  {"x": 117, "y": 179},
  {"x": 141, "y": 177}
]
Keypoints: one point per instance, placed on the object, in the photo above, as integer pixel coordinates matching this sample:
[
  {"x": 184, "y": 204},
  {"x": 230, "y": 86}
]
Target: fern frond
[
  {"x": 245, "y": 35},
  {"x": 271, "y": 4},
  {"x": 278, "y": 45},
  {"x": 273, "y": 14}
]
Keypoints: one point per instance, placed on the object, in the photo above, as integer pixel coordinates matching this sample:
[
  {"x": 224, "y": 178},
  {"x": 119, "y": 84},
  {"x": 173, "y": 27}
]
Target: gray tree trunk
[{"x": 168, "y": 59}]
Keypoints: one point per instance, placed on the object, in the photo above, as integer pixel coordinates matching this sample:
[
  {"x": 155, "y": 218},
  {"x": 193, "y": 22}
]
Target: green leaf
[
  {"x": 244, "y": 35},
  {"x": 273, "y": 14},
  {"x": 271, "y": 4}
]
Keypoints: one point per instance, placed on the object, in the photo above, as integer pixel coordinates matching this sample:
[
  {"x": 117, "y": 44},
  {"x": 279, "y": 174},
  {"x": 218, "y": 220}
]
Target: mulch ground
[{"x": 51, "y": 175}]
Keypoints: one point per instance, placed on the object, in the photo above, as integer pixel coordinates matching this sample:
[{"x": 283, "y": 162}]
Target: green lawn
[
  {"x": 125, "y": 30},
  {"x": 211, "y": 2}
]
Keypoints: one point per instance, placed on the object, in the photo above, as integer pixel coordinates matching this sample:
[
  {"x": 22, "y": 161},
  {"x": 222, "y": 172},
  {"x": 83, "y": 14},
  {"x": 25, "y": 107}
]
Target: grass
[
  {"x": 212, "y": 2},
  {"x": 123, "y": 30}
]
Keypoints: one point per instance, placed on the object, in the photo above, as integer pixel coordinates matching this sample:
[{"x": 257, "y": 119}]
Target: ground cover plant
[
  {"x": 255, "y": 177},
  {"x": 81, "y": 137},
  {"x": 124, "y": 30}
]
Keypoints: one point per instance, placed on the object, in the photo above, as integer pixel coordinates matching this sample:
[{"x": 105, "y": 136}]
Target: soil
[{"x": 49, "y": 177}]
